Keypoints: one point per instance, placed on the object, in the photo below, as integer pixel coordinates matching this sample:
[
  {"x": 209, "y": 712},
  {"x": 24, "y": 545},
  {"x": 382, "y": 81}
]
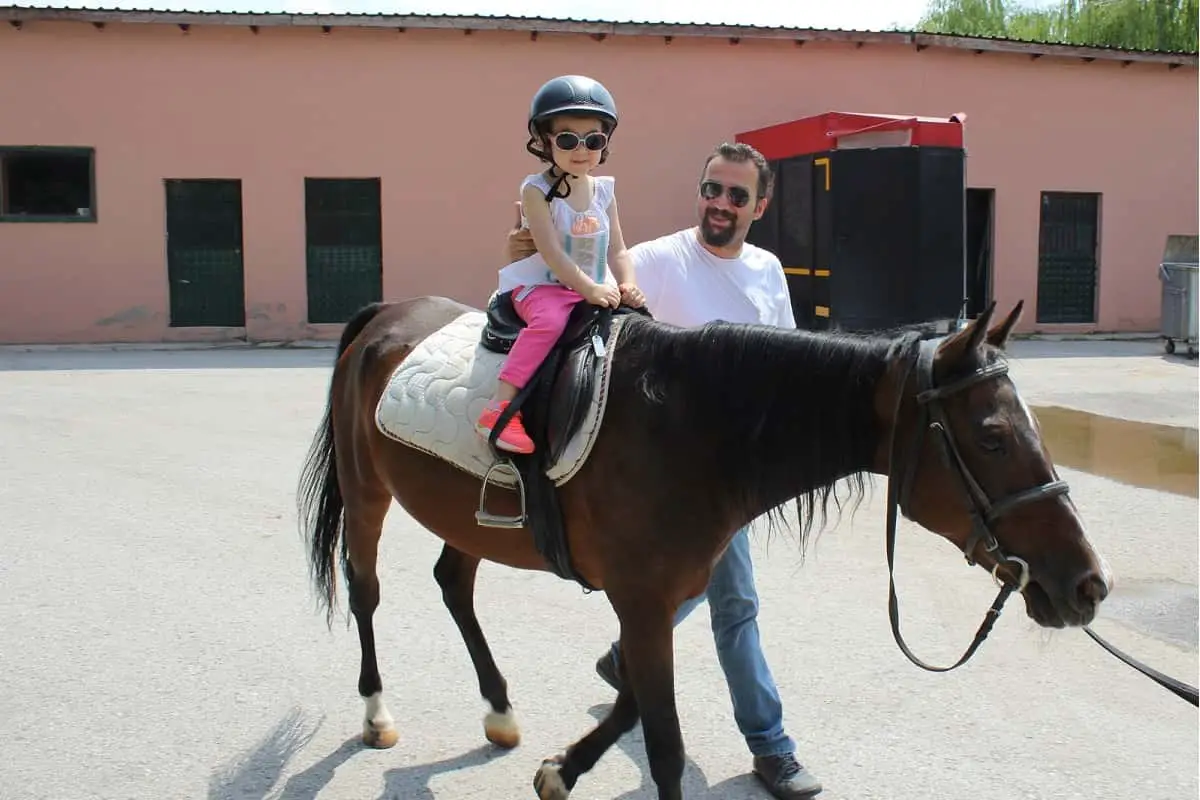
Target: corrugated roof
[{"x": 593, "y": 26}]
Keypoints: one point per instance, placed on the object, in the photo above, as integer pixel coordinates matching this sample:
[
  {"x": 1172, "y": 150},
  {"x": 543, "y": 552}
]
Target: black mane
[{"x": 785, "y": 413}]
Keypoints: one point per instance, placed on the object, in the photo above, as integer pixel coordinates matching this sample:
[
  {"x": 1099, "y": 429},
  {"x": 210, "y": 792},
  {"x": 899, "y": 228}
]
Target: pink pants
[{"x": 545, "y": 311}]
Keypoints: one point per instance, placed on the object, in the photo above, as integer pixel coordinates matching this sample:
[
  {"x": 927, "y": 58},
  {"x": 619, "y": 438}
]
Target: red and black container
[{"x": 868, "y": 217}]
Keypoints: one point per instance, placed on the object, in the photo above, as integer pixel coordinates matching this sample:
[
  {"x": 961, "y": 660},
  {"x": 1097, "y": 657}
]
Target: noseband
[{"x": 931, "y": 418}]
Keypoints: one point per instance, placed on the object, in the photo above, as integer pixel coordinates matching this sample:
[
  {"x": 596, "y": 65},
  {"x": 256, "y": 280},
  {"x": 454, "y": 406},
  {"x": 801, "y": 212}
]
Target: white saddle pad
[{"x": 434, "y": 397}]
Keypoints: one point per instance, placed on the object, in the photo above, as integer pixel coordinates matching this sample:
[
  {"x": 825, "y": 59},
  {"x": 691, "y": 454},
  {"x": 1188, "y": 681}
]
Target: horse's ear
[
  {"x": 969, "y": 338},
  {"x": 998, "y": 336}
]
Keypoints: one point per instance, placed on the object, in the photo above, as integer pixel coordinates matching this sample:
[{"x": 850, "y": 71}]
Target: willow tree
[{"x": 1133, "y": 24}]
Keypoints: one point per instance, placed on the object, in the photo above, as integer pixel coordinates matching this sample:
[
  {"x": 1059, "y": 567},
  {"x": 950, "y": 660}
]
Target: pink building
[{"x": 175, "y": 176}]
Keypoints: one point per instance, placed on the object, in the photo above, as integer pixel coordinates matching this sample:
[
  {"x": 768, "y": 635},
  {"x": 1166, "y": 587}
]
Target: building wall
[{"x": 440, "y": 117}]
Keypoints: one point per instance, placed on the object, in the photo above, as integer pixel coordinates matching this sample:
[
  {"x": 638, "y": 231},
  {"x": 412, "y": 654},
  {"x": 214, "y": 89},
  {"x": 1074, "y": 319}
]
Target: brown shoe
[{"x": 786, "y": 778}]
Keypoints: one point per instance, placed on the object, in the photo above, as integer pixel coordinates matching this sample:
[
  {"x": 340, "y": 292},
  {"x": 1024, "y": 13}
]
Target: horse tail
[{"x": 320, "y": 506}]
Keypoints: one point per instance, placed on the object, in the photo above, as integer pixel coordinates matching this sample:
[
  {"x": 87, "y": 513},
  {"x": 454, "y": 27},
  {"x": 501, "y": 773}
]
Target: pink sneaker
[{"x": 513, "y": 438}]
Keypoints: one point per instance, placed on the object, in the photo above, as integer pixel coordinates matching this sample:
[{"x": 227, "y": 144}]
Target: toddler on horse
[{"x": 572, "y": 217}]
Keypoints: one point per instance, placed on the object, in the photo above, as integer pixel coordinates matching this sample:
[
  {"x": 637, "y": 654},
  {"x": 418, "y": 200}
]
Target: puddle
[{"x": 1142, "y": 454}]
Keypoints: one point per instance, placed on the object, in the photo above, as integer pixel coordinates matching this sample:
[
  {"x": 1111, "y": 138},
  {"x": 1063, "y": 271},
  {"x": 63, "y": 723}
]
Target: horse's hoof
[
  {"x": 502, "y": 730},
  {"x": 379, "y": 738},
  {"x": 548, "y": 782}
]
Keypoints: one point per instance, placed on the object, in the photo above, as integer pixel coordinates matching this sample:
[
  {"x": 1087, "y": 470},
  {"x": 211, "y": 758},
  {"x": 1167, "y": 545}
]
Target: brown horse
[{"x": 705, "y": 429}]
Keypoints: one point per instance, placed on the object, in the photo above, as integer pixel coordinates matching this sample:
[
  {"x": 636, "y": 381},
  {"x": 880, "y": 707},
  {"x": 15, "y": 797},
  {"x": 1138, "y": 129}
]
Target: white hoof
[
  {"x": 502, "y": 730},
  {"x": 549, "y": 783},
  {"x": 379, "y": 730},
  {"x": 379, "y": 738}
]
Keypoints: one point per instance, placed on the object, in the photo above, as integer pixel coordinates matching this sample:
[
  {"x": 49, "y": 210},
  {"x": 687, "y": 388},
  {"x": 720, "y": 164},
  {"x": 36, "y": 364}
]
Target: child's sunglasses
[
  {"x": 711, "y": 190},
  {"x": 568, "y": 140}
]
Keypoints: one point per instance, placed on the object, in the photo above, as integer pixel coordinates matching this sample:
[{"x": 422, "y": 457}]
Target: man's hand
[
  {"x": 520, "y": 241},
  {"x": 631, "y": 295}
]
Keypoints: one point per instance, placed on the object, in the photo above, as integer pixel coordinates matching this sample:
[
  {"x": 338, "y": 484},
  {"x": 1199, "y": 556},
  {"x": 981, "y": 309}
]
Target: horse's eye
[{"x": 991, "y": 443}]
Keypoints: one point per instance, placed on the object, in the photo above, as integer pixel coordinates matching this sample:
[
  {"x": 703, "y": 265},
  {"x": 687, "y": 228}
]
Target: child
[{"x": 572, "y": 217}]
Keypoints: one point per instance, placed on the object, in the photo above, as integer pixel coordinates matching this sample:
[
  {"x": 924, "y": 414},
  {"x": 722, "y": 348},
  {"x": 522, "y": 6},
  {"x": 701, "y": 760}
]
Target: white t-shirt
[{"x": 687, "y": 285}]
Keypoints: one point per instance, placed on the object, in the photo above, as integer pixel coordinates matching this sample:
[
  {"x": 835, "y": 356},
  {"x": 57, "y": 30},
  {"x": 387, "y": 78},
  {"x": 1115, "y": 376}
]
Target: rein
[{"x": 931, "y": 418}]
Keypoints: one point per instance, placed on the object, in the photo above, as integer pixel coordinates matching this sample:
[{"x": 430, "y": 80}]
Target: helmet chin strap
[{"x": 561, "y": 180}]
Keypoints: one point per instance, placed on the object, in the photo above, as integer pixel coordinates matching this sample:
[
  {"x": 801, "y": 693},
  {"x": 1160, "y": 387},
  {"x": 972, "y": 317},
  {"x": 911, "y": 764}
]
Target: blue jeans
[{"x": 733, "y": 607}]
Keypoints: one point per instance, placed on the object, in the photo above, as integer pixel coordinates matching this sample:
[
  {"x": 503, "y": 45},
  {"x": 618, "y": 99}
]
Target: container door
[
  {"x": 344, "y": 246},
  {"x": 938, "y": 287},
  {"x": 1067, "y": 240},
  {"x": 876, "y": 219},
  {"x": 204, "y": 253},
  {"x": 794, "y": 196}
]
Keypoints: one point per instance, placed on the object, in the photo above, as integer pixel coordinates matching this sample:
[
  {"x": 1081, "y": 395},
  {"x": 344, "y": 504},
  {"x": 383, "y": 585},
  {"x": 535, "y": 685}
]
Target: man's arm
[{"x": 784, "y": 317}]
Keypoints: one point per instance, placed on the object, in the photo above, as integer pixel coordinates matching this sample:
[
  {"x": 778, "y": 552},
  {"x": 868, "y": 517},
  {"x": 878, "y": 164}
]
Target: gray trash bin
[{"x": 1178, "y": 272}]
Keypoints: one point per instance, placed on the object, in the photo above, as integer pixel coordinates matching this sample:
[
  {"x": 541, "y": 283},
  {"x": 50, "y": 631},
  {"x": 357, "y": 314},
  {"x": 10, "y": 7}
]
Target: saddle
[{"x": 553, "y": 405}]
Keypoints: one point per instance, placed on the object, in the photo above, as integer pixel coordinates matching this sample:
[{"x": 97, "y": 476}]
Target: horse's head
[{"x": 982, "y": 477}]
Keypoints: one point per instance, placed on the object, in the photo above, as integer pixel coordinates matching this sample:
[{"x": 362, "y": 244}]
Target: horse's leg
[
  {"x": 364, "y": 527},
  {"x": 647, "y": 684},
  {"x": 455, "y": 573},
  {"x": 558, "y": 775}
]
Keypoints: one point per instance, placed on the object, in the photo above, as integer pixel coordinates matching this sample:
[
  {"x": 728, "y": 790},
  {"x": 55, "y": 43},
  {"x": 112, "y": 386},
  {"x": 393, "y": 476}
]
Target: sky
[{"x": 847, "y": 14}]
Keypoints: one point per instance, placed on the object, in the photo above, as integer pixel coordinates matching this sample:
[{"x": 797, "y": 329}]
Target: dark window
[{"x": 51, "y": 184}]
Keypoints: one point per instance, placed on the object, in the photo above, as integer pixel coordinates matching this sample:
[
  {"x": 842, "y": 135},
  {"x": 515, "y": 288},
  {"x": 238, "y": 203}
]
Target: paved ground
[{"x": 159, "y": 641}]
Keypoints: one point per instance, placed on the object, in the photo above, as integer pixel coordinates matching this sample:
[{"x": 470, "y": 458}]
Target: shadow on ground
[{"x": 257, "y": 771}]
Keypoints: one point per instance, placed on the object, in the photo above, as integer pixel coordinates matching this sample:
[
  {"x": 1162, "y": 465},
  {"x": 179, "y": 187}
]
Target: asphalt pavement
[{"x": 158, "y": 636}]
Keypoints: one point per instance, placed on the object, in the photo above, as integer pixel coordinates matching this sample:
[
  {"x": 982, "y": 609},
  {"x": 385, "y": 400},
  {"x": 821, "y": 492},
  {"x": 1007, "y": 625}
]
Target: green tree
[{"x": 1132, "y": 24}]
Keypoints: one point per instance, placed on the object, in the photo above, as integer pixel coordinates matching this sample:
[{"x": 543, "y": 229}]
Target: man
[{"x": 691, "y": 277}]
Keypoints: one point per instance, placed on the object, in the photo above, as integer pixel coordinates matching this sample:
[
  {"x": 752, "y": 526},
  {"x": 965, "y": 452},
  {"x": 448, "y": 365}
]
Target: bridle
[{"x": 931, "y": 418}]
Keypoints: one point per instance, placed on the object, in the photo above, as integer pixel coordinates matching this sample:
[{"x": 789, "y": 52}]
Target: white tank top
[{"x": 583, "y": 235}]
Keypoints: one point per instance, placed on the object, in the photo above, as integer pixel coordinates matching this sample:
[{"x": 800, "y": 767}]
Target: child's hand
[
  {"x": 603, "y": 294},
  {"x": 631, "y": 295}
]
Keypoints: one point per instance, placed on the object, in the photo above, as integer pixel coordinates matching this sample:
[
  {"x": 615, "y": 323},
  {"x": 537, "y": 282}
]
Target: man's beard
[{"x": 718, "y": 237}]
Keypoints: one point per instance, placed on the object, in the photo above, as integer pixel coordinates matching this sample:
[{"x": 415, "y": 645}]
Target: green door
[
  {"x": 204, "y": 253},
  {"x": 344, "y": 238},
  {"x": 1067, "y": 240}
]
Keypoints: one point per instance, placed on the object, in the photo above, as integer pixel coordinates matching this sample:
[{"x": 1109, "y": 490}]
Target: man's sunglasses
[
  {"x": 568, "y": 140},
  {"x": 738, "y": 196}
]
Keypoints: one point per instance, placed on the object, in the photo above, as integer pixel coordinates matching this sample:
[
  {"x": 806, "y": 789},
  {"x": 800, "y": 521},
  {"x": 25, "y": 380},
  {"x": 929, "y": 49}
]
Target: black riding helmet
[
  {"x": 567, "y": 94},
  {"x": 571, "y": 93}
]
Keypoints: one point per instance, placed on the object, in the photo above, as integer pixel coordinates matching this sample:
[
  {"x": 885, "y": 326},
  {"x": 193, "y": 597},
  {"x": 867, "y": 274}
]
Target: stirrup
[{"x": 486, "y": 518}]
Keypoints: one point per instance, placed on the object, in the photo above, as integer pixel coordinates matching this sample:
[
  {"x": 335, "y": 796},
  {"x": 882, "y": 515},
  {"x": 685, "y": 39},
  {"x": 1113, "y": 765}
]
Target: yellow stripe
[
  {"x": 797, "y": 270},
  {"x": 821, "y": 311},
  {"x": 825, "y": 163},
  {"x": 822, "y": 273}
]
